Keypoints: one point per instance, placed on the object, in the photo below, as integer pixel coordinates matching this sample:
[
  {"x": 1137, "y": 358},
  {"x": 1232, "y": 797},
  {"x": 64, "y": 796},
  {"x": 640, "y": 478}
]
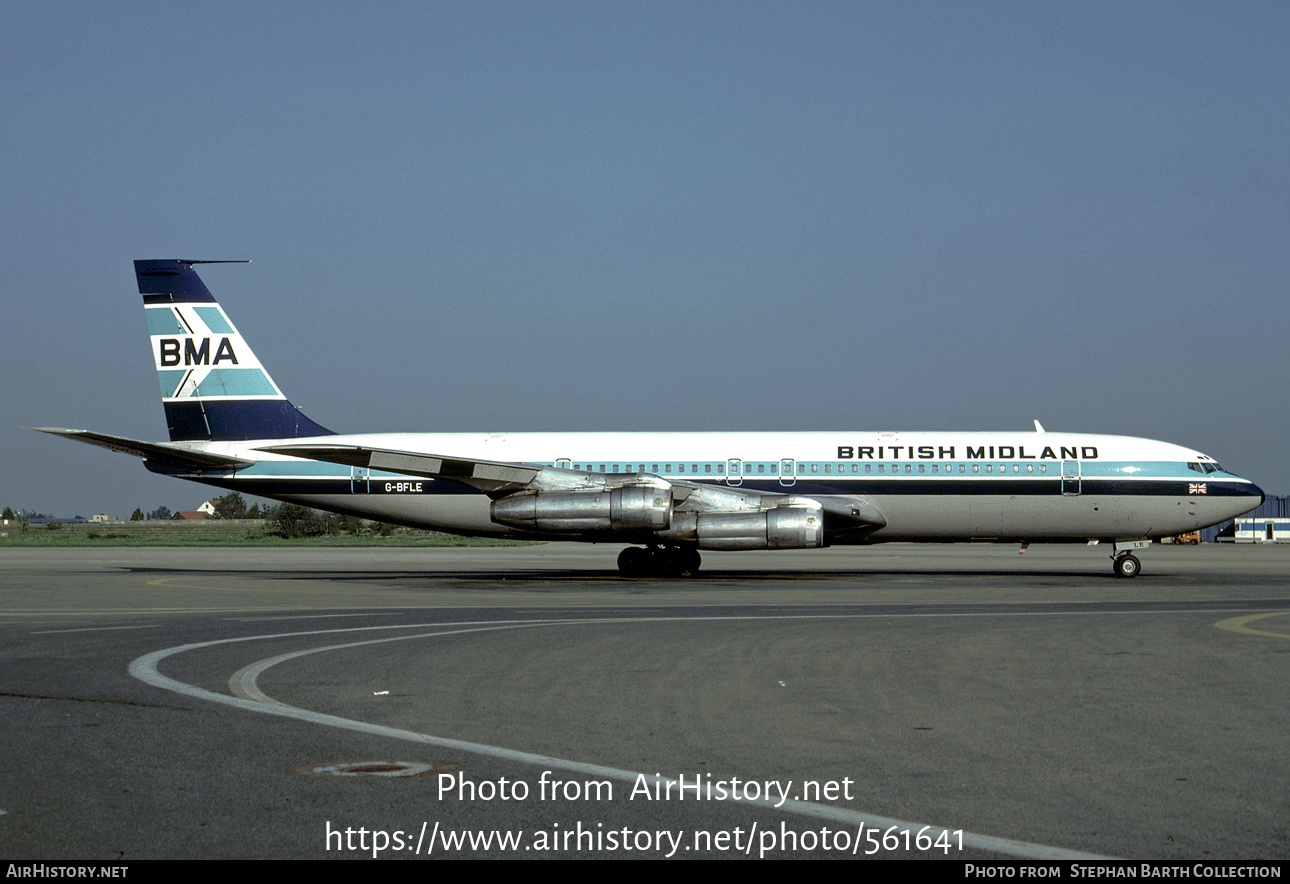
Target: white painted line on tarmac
[
  {"x": 254, "y": 700},
  {"x": 95, "y": 629}
]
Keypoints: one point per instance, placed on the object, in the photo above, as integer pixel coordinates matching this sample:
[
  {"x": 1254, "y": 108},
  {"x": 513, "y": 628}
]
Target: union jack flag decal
[{"x": 1197, "y": 488}]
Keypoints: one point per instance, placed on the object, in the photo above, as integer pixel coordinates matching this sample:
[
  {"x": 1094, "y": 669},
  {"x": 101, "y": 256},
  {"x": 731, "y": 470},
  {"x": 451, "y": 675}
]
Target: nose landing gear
[
  {"x": 1123, "y": 562},
  {"x": 1127, "y": 566}
]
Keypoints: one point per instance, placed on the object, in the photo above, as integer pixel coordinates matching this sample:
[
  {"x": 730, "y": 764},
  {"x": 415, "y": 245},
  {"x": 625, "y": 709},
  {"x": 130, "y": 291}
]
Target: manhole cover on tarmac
[{"x": 376, "y": 769}]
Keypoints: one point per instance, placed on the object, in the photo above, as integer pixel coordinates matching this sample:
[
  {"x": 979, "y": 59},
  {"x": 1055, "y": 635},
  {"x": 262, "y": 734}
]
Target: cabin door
[
  {"x": 1070, "y": 478},
  {"x": 358, "y": 482}
]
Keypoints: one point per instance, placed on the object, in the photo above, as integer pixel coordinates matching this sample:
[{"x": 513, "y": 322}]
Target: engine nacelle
[
  {"x": 785, "y": 527},
  {"x": 574, "y": 512}
]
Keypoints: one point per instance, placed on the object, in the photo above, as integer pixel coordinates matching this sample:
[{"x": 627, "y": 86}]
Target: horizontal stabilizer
[{"x": 156, "y": 453}]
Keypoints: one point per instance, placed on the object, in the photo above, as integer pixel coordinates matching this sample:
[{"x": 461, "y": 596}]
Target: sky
[{"x": 511, "y": 216}]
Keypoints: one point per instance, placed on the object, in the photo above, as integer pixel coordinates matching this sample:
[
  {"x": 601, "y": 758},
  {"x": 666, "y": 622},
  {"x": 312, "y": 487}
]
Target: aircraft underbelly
[{"x": 993, "y": 517}]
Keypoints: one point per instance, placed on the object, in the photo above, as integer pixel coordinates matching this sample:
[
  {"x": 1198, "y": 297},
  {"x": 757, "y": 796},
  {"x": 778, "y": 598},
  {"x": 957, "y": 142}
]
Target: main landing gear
[{"x": 659, "y": 561}]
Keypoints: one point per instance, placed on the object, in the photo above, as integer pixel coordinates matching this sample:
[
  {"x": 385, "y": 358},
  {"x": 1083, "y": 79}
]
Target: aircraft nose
[{"x": 1247, "y": 494}]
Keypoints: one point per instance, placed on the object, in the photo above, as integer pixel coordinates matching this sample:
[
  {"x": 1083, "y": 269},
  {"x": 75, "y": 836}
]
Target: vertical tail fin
[{"x": 212, "y": 386}]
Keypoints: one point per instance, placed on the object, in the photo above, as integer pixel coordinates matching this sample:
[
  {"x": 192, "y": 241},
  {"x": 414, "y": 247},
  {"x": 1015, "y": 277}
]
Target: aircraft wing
[
  {"x": 491, "y": 477},
  {"x": 157, "y": 453},
  {"x": 843, "y": 515}
]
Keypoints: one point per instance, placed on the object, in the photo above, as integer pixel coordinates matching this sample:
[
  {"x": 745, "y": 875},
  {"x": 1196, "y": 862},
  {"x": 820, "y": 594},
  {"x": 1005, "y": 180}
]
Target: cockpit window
[
  {"x": 1196, "y": 467},
  {"x": 1212, "y": 468}
]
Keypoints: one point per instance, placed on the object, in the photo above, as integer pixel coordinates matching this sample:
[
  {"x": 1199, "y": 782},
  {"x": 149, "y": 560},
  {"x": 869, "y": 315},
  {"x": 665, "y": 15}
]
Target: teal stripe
[
  {"x": 162, "y": 321},
  {"x": 214, "y": 320},
  {"x": 235, "y": 382},
  {"x": 1140, "y": 470},
  {"x": 267, "y": 468},
  {"x": 317, "y": 469},
  {"x": 169, "y": 381}
]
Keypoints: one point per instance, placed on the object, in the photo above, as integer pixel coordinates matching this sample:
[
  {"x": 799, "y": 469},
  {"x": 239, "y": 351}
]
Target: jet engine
[
  {"x": 784, "y": 527},
  {"x": 622, "y": 509}
]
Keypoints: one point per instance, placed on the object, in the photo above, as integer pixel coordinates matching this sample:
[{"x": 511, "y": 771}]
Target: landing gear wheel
[
  {"x": 1127, "y": 566},
  {"x": 682, "y": 561},
  {"x": 633, "y": 561},
  {"x": 690, "y": 561},
  {"x": 671, "y": 561}
]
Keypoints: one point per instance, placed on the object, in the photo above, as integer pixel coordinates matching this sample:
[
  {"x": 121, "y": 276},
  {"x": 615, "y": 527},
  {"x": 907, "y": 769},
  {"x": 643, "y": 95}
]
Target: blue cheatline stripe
[
  {"x": 214, "y": 320},
  {"x": 273, "y": 478},
  {"x": 235, "y": 382},
  {"x": 169, "y": 380},
  {"x": 162, "y": 321}
]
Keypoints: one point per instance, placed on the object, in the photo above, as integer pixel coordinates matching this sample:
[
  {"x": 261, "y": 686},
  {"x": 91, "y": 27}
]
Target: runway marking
[
  {"x": 96, "y": 629},
  {"x": 254, "y": 700},
  {"x": 1240, "y": 624},
  {"x": 309, "y": 617}
]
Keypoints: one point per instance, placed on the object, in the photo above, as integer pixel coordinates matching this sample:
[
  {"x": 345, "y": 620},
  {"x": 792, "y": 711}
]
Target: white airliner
[{"x": 667, "y": 494}]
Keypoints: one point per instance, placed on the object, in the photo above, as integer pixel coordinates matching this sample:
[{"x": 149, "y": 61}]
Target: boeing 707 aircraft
[{"x": 666, "y": 495}]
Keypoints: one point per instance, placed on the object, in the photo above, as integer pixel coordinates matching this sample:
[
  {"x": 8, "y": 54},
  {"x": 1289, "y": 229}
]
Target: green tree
[
  {"x": 230, "y": 506},
  {"x": 161, "y": 514},
  {"x": 293, "y": 520},
  {"x": 137, "y": 515},
  {"x": 341, "y": 524}
]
